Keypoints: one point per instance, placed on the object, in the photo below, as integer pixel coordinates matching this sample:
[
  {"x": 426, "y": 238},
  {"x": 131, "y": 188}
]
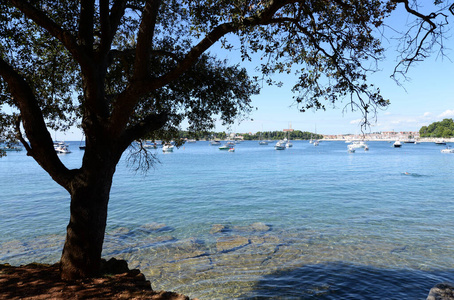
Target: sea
[{"x": 302, "y": 223}]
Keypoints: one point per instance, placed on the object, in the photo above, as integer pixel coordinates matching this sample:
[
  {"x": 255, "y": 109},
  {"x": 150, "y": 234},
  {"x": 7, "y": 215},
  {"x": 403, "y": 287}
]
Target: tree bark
[{"x": 81, "y": 255}]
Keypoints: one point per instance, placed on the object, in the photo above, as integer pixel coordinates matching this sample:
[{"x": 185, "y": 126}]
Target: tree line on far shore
[
  {"x": 442, "y": 129},
  {"x": 261, "y": 135}
]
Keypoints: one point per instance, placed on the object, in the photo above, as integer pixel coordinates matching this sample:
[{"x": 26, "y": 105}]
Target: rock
[
  {"x": 119, "y": 231},
  {"x": 114, "y": 266},
  {"x": 441, "y": 291},
  {"x": 230, "y": 243},
  {"x": 155, "y": 227},
  {"x": 219, "y": 228},
  {"x": 260, "y": 226},
  {"x": 255, "y": 227},
  {"x": 38, "y": 281}
]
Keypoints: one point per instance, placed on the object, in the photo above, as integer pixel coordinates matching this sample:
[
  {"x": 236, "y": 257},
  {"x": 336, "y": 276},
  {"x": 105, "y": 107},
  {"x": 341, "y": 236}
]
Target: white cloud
[
  {"x": 357, "y": 121},
  {"x": 447, "y": 113},
  {"x": 426, "y": 114}
]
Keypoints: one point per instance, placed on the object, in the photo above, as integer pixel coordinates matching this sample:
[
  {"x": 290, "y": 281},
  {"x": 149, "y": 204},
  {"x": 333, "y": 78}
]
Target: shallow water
[{"x": 304, "y": 223}]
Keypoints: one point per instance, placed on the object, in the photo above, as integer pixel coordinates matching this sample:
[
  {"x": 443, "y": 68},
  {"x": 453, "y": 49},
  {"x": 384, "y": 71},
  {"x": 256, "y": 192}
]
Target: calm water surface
[{"x": 304, "y": 223}]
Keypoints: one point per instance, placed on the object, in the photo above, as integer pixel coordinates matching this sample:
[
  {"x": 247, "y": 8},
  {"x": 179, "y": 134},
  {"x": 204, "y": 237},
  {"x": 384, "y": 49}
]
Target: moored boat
[
  {"x": 61, "y": 148},
  {"x": 440, "y": 142},
  {"x": 224, "y": 147},
  {"x": 167, "y": 147},
  {"x": 150, "y": 145},
  {"x": 359, "y": 144},
  {"x": 10, "y": 147},
  {"x": 448, "y": 149},
  {"x": 280, "y": 145},
  {"x": 397, "y": 144}
]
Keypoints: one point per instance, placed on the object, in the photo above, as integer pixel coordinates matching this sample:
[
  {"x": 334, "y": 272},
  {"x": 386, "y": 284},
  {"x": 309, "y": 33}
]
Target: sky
[{"x": 425, "y": 97}]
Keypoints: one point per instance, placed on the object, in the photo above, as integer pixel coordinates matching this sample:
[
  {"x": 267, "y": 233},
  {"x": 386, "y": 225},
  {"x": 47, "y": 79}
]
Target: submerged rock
[
  {"x": 260, "y": 226},
  {"x": 254, "y": 227},
  {"x": 155, "y": 227},
  {"x": 441, "y": 291},
  {"x": 230, "y": 243},
  {"x": 219, "y": 228}
]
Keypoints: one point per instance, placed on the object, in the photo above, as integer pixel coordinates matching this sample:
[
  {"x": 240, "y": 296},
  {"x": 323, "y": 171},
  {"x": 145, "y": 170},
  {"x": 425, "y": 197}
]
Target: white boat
[
  {"x": 10, "y": 147},
  {"x": 150, "y": 145},
  {"x": 359, "y": 144},
  {"x": 231, "y": 149},
  {"x": 191, "y": 141},
  {"x": 215, "y": 143},
  {"x": 351, "y": 149},
  {"x": 224, "y": 147},
  {"x": 440, "y": 142},
  {"x": 280, "y": 145},
  {"x": 61, "y": 148},
  {"x": 288, "y": 144},
  {"x": 262, "y": 142},
  {"x": 448, "y": 149},
  {"x": 167, "y": 147},
  {"x": 316, "y": 142},
  {"x": 397, "y": 144}
]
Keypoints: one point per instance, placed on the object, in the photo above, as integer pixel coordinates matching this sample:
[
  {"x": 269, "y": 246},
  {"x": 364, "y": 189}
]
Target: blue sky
[{"x": 426, "y": 97}]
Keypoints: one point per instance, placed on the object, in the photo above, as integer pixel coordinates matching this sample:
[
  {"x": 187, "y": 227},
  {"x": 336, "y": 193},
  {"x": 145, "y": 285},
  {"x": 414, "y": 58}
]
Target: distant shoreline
[{"x": 420, "y": 140}]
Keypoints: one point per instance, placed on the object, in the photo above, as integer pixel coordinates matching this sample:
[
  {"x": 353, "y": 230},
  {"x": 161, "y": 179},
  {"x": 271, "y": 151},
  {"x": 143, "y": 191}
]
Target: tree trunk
[{"x": 81, "y": 255}]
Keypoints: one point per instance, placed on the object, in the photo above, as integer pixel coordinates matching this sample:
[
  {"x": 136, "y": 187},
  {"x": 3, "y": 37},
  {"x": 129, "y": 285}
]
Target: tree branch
[
  {"x": 145, "y": 39},
  {"x": 149, "y": 124},
  {"x": 86, "y": 34},
  {"x": 41, "y": 144},
  {"x": 110, "y": 23},
  {"x": 142, "y": 84},
  {"x": 420, "y": 50},
  {"x": 40, "y": 18}
]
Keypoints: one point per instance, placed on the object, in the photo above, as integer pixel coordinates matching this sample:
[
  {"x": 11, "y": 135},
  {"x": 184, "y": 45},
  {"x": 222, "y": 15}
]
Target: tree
[
  {"x": 443, "y": 128},
  {"x": 127, "y": 69}
]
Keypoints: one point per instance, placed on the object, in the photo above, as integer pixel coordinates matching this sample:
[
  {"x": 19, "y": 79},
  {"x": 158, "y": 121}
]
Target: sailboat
[
  {"x": 315, "y": 142},
  {"x": 82, "y": 146},
  {"x": 288, "y": 144},
  {"x": 262, "y": 142}
]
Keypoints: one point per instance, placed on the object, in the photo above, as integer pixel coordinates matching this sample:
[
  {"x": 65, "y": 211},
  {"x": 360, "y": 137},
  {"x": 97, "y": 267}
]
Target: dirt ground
[{"x": 37, "y": 281}]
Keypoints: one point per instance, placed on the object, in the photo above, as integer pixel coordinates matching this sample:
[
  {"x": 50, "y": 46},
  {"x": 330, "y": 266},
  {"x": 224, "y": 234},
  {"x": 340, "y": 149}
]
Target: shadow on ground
[{"x": 341, "y": 281}]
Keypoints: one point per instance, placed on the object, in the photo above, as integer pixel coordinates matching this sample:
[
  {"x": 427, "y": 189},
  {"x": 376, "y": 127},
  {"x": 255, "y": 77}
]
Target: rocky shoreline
[
  {"x": 193, "y": 265},
  {"x": 41, "y": 281}
]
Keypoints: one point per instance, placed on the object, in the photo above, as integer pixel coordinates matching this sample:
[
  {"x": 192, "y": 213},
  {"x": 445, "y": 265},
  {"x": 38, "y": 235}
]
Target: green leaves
[
  {"x": 440, "y": 129},
  {"x": 114, "y": 67}
]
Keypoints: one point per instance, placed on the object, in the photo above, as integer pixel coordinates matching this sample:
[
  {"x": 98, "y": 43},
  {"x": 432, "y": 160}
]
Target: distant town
[
  {"x": 374, "y": 136},
  {"x": 379, "y": 136},
  {"x": 386, "y": 136}
]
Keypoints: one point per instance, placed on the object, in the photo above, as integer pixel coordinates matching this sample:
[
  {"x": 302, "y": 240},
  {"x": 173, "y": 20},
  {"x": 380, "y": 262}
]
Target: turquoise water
[{"x": 304, "y": 223}]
